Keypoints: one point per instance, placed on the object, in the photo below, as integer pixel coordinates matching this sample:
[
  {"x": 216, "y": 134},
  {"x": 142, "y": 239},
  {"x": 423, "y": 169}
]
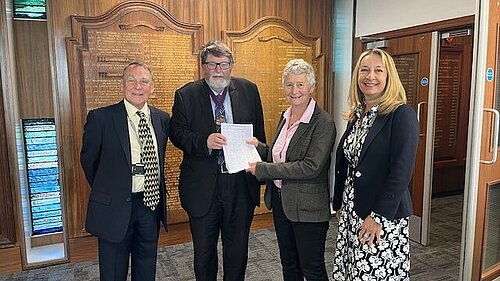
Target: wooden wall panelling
[
  {"x": 33, "y": 69},
  {"x": 7, "y": 214},
  {"x": 309, "y": 17},
  {"x": 261, "y": 51},
  {"x": 10, "y": 250},
  {"x": 10, "y": 260},
  {"x": 99, "y": 49}
]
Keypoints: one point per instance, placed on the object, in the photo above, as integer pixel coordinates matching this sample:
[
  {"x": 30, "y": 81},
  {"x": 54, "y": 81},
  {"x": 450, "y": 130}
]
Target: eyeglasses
[{"x": 222, "y": 65}]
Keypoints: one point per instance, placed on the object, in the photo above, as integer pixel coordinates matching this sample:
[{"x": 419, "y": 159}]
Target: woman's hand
[
  {"x": 369, "y": 231},
  {"x": 337, "y": 215},
  {"x": 251, "y": 169},
  {"x": 253, "y": 141}
]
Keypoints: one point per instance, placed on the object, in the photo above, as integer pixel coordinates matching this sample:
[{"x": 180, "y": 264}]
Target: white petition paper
[{"x": 237, "y": 153}]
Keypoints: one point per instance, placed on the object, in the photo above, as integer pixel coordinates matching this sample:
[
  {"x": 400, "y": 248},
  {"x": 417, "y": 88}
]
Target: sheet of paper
[{"x": 237, "y": 153}]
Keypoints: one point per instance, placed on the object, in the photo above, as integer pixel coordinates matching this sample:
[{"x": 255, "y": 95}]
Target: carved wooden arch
[
  {"x": 261, "y": 51},
  {"x": 99, "y": 49}
]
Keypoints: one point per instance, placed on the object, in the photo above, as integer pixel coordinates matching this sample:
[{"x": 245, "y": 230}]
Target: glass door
[{"x": 415, "y": 59}]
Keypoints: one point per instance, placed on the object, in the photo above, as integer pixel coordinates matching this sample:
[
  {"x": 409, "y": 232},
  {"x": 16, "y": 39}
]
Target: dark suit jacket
[
  {"x": 106, "y": 161},
  {"x": 382, "y": 176},
  {"x": 192, "y": 123},
  {"x": 305, "y": 194}
]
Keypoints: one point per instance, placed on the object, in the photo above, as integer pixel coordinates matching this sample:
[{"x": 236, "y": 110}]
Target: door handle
[
  {"x": 495, "y": 136},
  {"x": 419, "y": 110}
]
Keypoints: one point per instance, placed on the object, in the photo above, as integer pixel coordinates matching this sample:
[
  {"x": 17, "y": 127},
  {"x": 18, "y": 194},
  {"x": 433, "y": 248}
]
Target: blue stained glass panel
[
  {"x": 33, "y": 147},
  {"x": 39, "y": 134},
  {"x": 47, "y": 220},
  {"x": 40, "y": 126},
  {"x": 30, "y": 9},
  {"x": 41, "y": 153},
  {"x": 49, "y": 228},
  {"x": 42, "y": 159},
  {"x": 44, "y": 201},
  {"x": 42, "y": 172},
  {"x": 43, "y": 178},
  {"x": 45, "y": 189},
  {"x": 43, "y": 175},
  {"x": 47, "y": 214},
  {"x": 45, "y": 208},
  {"x": 40, "y": 140},
  {"x": 45, "y": 195}
]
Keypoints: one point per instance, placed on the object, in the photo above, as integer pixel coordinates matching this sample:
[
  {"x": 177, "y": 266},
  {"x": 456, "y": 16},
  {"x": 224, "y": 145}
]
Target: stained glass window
[
  {"x": 30, "y": 9},
  {"x": 43, "y": 175}
]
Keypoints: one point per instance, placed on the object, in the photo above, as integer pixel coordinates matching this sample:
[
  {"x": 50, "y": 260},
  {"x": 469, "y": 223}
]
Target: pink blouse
[{"x": 281, "y": 145}]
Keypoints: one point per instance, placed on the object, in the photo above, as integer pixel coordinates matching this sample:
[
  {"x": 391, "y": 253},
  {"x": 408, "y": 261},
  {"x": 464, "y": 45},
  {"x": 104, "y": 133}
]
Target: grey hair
[
  {"x": 139, "y": 64},
  {"x": 299, "y": 66},
  {"x": 218, "y": 49}
]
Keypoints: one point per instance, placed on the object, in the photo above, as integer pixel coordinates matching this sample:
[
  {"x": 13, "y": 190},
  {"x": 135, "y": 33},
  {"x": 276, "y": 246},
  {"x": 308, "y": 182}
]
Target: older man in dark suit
[
  {"x": 217, "y": 202},
  {"x": 123, "y": 158}
]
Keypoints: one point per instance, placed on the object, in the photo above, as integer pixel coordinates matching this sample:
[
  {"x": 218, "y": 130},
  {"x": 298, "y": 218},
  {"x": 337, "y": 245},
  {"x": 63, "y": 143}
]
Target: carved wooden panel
[
  {"x": 98, "y": 52},
  {"x": 262, "y": 50}
]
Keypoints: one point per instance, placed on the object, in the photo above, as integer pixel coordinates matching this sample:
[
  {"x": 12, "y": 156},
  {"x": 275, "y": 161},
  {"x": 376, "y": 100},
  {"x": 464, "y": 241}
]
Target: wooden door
[
  {"x": 412, "y": 55},
  {"x": 452, "y": 112},
  {"x": 486, "y": 248}
]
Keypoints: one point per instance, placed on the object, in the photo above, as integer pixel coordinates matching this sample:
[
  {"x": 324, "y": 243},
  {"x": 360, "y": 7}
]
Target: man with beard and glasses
[{"x": 217, "y": 202}]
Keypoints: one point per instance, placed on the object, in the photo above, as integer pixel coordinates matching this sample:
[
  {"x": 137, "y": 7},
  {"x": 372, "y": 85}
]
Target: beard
[{"x": 218, "y": 84}]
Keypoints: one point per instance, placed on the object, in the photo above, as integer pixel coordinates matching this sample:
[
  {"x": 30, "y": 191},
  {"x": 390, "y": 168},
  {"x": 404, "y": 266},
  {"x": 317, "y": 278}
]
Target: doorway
[{"x": 436, "y": 69}]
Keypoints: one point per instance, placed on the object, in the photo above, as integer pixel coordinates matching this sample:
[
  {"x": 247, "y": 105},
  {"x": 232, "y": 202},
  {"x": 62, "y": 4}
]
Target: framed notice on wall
[{"x": 30, "y": 9}]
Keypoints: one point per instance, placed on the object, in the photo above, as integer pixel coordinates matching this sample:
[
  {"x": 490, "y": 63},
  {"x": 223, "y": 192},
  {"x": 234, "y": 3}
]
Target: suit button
[
  {"x": 358, "y": 174},
  {"x": 128, "y": 199}
]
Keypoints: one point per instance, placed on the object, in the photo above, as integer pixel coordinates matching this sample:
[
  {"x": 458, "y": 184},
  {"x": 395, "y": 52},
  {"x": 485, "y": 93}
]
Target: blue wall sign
[
  {"x": 489, "y": 74},
  {"x": 424, "y": 81}
]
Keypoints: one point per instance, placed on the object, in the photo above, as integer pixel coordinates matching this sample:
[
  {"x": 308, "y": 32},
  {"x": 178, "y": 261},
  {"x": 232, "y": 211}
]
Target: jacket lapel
[
  {"x": 235, "y": 102},
  {"x": 302, "y": 129},
  {"x": 206, "y": 107},
  {"x": 378, "y": 124},
  {"x": 121, "y": 126}
]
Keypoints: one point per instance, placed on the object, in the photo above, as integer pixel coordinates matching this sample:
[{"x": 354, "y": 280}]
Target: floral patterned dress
[{"x": 390, "y": 259}]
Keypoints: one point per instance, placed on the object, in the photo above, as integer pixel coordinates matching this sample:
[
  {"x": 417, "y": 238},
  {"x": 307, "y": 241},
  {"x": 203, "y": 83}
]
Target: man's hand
[{"x": 216, "y": 141}]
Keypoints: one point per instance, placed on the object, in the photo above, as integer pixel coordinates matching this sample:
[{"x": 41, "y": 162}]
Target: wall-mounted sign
[
  {"x": 43, "y": 175},
  {"x": 30, "y": 9},
  {"x": 424, "y": 81},
  {"x": 489, "y": 74}
]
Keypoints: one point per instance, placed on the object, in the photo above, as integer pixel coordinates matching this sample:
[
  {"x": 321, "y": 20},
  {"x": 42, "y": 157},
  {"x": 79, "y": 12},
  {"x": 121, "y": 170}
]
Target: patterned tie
[
  {"x": 150, "y": 162},
  {"x": 220, "y": 117}
]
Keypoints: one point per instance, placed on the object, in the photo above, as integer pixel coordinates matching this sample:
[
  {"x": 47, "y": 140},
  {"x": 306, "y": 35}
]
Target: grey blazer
[{"x": 304, "y": 174}]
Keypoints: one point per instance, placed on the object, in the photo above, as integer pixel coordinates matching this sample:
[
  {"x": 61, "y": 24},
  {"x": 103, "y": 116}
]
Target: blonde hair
[{"x": 394, "y": 93}]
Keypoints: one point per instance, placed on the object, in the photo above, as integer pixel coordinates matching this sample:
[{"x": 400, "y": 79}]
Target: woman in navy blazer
[
  {"x": 296, "y": 172},
  {"x": 374, "y": 166}
]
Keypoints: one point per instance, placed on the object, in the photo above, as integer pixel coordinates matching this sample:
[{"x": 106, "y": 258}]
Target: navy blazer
[
  {"x": 385, "y": 167},
  {"x": 192, "y": 123},
  {"x": 106, "y": 160}
]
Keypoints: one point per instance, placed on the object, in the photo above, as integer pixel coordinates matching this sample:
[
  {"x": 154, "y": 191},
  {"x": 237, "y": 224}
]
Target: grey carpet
[{"x": 439, "y": 261}]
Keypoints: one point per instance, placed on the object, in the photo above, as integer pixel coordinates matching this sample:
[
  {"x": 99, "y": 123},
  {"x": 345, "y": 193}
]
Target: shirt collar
[
  {"x": 306, "y": 116},
  {"x": 132, "y": 110}
]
